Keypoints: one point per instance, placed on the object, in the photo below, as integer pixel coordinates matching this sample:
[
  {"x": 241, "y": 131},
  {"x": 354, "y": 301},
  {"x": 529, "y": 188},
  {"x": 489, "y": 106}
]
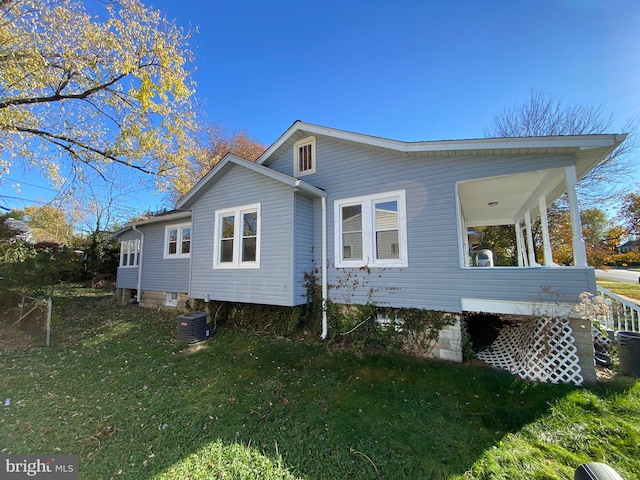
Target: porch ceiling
[{"x": 503, "y": 200}]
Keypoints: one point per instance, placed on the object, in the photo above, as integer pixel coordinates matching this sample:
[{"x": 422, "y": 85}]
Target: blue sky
[{"x": 407, "y": 70}]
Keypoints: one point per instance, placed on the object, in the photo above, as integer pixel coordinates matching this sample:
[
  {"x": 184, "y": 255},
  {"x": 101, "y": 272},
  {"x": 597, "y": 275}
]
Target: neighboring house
[
  {"x": 21, "y": 231},
  {"x": 630, "y": 246},
  {"x": 393, "y": 215}
]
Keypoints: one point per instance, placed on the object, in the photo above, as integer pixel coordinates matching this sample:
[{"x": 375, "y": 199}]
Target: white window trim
[
  {"x": 237, "y": 212},
  {"x": 368, "y": 230},
  {"x": 170, "y": 301},
  {"x": 180, "y": 227},
  {"x": 132, "y": 247},
  {"x": 296, "y": 160}
]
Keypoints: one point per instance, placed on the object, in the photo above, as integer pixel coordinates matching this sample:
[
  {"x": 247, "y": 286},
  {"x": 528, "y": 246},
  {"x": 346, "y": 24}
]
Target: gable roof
[
  {"x": 632, "y": 244},
  {"x": 230, "y": 160},
  {"x": 588, "y": 149}
]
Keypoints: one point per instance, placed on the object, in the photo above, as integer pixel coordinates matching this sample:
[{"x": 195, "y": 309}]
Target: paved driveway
[{"x": 626, "y": 276}]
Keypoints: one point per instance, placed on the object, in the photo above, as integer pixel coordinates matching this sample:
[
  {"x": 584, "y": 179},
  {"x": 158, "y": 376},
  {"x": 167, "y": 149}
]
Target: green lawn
[
  {"x": 118, "y": 390},
  {"x": 631, "y": 290}
]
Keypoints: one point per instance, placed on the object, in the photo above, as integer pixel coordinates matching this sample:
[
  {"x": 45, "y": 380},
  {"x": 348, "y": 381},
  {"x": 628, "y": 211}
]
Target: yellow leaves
[
  {"x": 145, "y": 92},
  {"x": 97, "y": 88}
]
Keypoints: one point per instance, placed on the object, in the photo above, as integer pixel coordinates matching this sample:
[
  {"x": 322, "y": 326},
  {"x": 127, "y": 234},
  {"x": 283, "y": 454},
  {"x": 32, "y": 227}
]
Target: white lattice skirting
[{"x": 540, "y": 349}]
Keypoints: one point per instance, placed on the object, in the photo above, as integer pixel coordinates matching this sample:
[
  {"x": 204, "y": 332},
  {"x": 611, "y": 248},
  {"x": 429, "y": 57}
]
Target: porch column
[
  {"x": 546, "y": 240},
  {"x": 530, "y": 250},
  {"x": 522, "y": 260},
  {"x": 579, "y": 252}
]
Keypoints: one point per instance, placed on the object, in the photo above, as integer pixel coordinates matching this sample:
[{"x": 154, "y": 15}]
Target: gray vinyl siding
[
  {"x": 127, "y": 277},
  {"x": 160, "y": 274},
  {"x": 433, "y": 278},
  {"x": 303, "y": 247},
  {"x": 273, "y": 282}
]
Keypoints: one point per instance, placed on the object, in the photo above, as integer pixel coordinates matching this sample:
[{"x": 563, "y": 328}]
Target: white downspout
[
  {"x": 324, "y": 269},
  {"x": 139, "y": 289}
]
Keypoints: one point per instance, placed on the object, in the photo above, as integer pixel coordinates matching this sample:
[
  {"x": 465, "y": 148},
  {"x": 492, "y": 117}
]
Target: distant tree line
[{"x": 40, "y": 249}]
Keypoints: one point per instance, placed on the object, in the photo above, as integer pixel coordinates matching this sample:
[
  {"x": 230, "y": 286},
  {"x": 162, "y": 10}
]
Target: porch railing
[{"x": 624, "y": 315}]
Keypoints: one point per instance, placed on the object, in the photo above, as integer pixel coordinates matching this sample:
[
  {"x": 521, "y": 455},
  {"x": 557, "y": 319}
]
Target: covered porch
[{"x": 517, "y": 201}]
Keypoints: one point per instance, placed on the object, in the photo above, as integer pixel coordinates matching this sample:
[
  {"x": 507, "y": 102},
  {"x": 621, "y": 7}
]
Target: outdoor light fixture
[{"x": 493, "y": 204}]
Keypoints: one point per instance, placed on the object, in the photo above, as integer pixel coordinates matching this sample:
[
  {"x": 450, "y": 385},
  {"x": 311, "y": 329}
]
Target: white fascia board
[
  {"x": 162, "y": 219},
  {"x": 120, "y": 232},
  {"x": 579, "y": 142},
  {"x": 280, "y": 177},
  {"x": 507, "y": 307},
  {"x": 282, "y": 139},
  {"x": 254, "y": 167},
  {"x": 204, "y": 180}
]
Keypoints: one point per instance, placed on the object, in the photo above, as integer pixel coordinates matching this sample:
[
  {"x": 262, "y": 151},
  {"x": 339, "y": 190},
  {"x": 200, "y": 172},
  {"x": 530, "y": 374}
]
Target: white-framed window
[
  {"x": 304, "y": 157},
  {"x": 171, "y": 299},
  {"x": 177, "y": 241},
  {"x": 237, "y": 237},
  {"x": 371, "y": 230},
  {"x": 129, "y": 253}
]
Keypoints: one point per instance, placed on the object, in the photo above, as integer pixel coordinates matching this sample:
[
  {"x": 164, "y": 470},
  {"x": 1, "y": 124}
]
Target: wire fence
[{"x": 25, "y": 322}]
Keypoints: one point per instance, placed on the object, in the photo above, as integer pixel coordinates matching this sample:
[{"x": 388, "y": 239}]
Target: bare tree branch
[
  {"x": 58, "y": 97},
  {"x": 59, "y": 139},
  {"x": 545, "y": 115}
]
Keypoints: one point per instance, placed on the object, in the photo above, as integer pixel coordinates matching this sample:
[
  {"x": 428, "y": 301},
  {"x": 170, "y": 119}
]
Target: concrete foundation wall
[
  {"x": 447, "y": 347},
  {"x": 157, "y": 300},
  {"x": 583, "y": 340}
]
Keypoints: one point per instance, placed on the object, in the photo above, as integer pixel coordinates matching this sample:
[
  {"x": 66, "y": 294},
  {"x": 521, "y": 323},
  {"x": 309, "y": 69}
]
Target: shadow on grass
[{"x": 122, "y": 394}]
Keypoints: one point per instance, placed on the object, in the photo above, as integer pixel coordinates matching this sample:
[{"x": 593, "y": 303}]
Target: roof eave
[
  {"x": 472, "y": 145},
  {"x": 187, "y": 200}
]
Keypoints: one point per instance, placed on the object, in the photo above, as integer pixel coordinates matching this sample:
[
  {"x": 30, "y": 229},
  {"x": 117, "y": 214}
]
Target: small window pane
[
  {"x": 352, "y": 232},
  {"x": 226, "y": 250},
  {"x": 228, "y": 226},
  {"x": 387, "y": 230},
  {"x": 249, "y": 249},
  {"x": 226, "y": 242},
  {"x": 250, "y": 224},
  {"x": 303, "y": 158},
  {"x": 249, "y": 232},
  {"x": 186, "y": 240},
  {"x": 132, "y": 253},
  {"x": 173, "y": 241},
  {"x": 305, "y": 162},
  {"x": 387, "y": 245}
]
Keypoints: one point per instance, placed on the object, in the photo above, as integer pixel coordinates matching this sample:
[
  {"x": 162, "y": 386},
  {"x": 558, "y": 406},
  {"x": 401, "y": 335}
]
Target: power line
[
  {"x": 30, "y": 184},
  {"x": 23, "y": 199}
]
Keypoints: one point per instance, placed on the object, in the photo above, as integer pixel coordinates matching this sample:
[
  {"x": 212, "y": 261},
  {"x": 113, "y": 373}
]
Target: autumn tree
[
  {"x": 48, "y": 224},
  {"x": 216, "y": 141},
  {"x": 500, "y": 239},
  {"x": 601, "y": 237},
  {"x": 629, "y": 213},
  {"x": 84, "y": 88},
  {"x": 545, "y": 115}
]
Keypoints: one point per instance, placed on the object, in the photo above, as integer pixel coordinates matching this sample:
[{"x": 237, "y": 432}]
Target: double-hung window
[
  {"x": 371, "y": 230},
  {"x": 237, "y": 237},
  {"x": 177, "y": 241},
  {"x": 129, "y": 253}
]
